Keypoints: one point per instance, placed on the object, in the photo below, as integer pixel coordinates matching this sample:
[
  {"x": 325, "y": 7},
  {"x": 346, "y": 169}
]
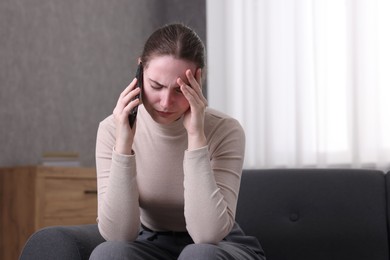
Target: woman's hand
[
  {"x": 126, "y": 103},
  {"x": 194, "y": 117}
]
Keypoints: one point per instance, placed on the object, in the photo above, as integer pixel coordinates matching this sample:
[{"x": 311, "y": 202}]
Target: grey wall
[{"x": 64, "y": 63}]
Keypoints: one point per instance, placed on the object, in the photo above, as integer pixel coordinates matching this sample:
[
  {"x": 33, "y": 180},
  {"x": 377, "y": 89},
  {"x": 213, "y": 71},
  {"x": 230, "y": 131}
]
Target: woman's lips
[{"x": 164, "y": 114}]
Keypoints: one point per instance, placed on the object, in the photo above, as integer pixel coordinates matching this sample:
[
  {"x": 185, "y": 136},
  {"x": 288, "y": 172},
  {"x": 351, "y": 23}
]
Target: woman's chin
[
  {"x": 162, "y": 120},
  {"x": 165, "y": 120}
]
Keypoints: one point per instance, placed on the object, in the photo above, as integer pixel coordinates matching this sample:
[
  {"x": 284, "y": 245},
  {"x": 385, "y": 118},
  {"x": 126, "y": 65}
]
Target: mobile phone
[{"x": 140, "y": 79}]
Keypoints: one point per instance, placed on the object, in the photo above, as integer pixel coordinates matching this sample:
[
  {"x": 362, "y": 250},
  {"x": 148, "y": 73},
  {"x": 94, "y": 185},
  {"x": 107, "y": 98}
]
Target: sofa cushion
[{"x": 315, "y": 213}]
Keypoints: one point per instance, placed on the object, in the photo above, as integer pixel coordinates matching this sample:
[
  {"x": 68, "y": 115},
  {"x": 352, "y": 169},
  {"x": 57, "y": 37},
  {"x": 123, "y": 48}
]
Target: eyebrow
[
  {"x": 161, "y": 85},
  {"x": 157, "y": 83}
]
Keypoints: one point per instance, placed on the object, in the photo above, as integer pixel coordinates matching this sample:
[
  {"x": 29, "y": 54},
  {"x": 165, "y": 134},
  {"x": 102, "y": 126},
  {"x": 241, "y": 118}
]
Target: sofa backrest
[
  {"x": 387, "y": 178},
  {"x": 316, "y": 214}
]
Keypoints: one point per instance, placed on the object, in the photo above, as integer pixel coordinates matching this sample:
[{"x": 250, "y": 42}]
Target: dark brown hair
[{"x": 177, "y": 40}]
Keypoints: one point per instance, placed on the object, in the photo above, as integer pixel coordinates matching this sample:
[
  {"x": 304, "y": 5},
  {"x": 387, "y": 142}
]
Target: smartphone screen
[{"x": 139, "y": 76}]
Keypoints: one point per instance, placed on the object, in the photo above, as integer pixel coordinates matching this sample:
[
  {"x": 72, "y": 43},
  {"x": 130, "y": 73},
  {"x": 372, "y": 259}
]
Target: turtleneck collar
[{"x": 175, "y": 128}]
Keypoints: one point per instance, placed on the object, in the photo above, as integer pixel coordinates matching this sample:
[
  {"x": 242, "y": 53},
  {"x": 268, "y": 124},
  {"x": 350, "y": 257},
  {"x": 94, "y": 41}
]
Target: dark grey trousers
[{"x": 167, "y": 246}]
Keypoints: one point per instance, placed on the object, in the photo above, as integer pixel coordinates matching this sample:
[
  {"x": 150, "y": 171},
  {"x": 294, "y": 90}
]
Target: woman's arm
[
  {"x": 118, "y": 197},
  {"x": 211, "y": 181},
  {"x": 211, "y": 187},
  {"x": 118, "y": 205}
]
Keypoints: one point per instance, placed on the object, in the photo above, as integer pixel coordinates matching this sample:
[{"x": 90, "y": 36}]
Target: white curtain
[{"x": 309, "y": 80}]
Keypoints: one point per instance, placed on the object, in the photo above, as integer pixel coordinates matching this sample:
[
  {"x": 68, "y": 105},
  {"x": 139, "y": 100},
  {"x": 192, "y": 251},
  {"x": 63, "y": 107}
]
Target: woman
[{"x": 168, "y": 186}]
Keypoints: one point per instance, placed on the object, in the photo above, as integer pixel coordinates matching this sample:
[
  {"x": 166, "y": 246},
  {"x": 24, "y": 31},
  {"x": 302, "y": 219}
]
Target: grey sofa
[{"x": 311, "y": 214}]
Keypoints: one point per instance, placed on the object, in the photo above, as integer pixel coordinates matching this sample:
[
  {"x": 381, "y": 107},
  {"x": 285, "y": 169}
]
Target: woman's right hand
[{"x": 124, "y": 133}]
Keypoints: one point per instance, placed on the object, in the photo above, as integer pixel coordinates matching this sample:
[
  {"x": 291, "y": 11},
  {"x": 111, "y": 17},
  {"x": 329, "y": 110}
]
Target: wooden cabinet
[{"x": 37, "y": 196}]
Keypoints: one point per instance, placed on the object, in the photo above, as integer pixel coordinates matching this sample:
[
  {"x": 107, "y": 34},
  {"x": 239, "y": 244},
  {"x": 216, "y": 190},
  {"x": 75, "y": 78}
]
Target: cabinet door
[{"x": 69, "y": 201}]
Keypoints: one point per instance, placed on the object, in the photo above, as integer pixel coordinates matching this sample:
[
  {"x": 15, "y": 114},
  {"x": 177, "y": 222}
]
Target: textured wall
[{"x": 63, "y": 65}]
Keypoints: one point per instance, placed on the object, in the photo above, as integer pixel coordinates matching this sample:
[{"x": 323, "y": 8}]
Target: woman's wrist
[
  {"x": 196, "y": 141},
  {"x": 123, "y": 148}
]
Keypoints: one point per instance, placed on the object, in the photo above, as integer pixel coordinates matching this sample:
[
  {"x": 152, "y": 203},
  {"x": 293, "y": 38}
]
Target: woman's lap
[{"x": 151, "y": 245}]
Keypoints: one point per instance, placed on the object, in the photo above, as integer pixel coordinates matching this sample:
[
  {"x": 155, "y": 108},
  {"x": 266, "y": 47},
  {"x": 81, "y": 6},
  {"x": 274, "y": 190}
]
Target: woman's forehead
[
  {"x": 166, "y": 69},
  {"x": 164, "y": 60}
]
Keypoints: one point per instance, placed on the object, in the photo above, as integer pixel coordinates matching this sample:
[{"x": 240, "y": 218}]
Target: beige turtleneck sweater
[{"x": 165, "y": 186}]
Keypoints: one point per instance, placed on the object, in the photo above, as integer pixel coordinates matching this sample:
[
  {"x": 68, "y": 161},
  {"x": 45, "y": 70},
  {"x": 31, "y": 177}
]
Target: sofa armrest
[{"x": 62, "y": 242}]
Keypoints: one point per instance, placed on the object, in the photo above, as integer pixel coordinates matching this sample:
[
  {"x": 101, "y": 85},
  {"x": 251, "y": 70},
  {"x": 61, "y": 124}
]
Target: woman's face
[{"x": 162, "y": 96}]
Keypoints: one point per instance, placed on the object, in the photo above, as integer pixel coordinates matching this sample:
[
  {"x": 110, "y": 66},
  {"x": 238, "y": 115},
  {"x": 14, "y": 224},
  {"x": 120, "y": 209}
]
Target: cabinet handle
[{"x": 90, "y": 192}]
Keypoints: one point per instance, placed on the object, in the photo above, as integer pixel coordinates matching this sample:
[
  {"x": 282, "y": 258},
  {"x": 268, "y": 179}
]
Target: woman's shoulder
[
  {"x": 214, "y": 116},
  {"x": 217, "y": 121},
  {"x": 107, "y": 124},
  {"x": 108, "y": 121},
  {"x": 223, "y": 132}
]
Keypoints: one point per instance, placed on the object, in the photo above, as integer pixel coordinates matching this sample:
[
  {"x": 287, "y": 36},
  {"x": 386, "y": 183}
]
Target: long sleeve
[
  {"x": 118, "y": 197},
  {"x": 165, "y": 186},
  {"x": 211, "y": 183}
]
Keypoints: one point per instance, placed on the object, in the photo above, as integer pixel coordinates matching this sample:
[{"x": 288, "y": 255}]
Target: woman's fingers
[
  {"x": 195, "y": 86},
  {"x": 195, "y": 83},
  {"x": 129, "y": 88},
  {"x": 126, "y": 93},
  {"x": 132, "y": 103},
  {"x": 127, "y": 101},
  {"x": 198, "y": 75}
]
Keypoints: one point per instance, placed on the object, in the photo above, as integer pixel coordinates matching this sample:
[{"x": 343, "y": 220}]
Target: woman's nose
[{"x": 166, "y": 99}]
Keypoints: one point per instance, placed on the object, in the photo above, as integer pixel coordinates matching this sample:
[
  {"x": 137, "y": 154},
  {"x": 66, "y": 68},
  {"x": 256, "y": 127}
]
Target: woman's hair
[{"x": 176, "y": 40}]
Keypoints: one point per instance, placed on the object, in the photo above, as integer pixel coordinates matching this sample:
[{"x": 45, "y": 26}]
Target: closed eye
[{"x": 155, "y": 85}]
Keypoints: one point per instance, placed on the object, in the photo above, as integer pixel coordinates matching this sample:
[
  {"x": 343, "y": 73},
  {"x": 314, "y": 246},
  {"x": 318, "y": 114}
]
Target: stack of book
[{"x": 63, "y": 159}]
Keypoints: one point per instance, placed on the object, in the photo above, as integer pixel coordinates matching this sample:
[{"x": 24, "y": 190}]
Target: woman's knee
[
  {"x": 111, "y": 250},
  {"x": 200, "y": 251}
]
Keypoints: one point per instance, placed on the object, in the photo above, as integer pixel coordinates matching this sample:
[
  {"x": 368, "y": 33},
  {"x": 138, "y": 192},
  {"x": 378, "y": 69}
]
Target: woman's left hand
[{"x": 194, "y": 117}]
